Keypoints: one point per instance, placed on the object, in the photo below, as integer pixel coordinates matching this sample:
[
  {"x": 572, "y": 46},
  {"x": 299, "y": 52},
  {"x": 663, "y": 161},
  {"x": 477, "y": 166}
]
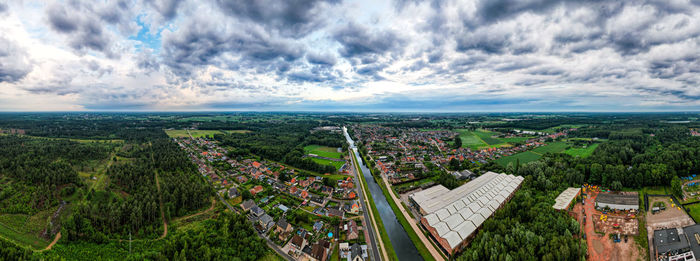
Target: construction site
[
  {"x": 608, "y": 232},
  {"x": 664, "y": 214}
]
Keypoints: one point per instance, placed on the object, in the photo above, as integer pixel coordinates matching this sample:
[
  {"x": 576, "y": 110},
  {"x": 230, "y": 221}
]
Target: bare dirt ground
[
  {"x": 627, "y": 226},
  {"x": 601, "y": 247}
]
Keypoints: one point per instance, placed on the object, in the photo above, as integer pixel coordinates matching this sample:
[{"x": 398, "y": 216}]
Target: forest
[
  {"x": 632, "y": 158},
  {"x": 108, "y": 214},
  {"x": 284, "y": 143}
]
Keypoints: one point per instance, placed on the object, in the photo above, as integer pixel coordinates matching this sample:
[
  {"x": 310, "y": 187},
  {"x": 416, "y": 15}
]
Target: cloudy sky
[{"x": 306, "y": 55}]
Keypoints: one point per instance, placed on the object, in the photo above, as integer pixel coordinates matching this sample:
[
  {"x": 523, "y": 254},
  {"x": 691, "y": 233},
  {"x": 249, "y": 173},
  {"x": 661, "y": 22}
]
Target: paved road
[
  {"x": 365, "y": 209},
  {"x": 267, "y": 240}
]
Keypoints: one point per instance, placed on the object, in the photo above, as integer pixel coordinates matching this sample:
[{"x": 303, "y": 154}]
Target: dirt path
[
  {"x": 160, "y": 199},
  {"x": 162, "y": 213},
  {"x": 213, "y": 203},
  {"x": 55, "y": 239}
]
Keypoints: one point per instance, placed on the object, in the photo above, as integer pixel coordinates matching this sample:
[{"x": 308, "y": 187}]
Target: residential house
[
  {"x": 266, "y": 222},
  {"x": 319, "y": 251},
  {"x": 283, "y": 208},
  {"x": 352, "y": 230},
  {"x": 257, "y": 211},
  {"x": 355, "y": 253},
  {"x": 282, "y": 226},
  {"x": 248, "y": 204},
  {"x": 297, "y": 243},
  {"x": 318, "y": 225},
  {"x": 255, "y": 190},
  {"x": 334, "y": 212},
  {"x": 232, "y": 192}
]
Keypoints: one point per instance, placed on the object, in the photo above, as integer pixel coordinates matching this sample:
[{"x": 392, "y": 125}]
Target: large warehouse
[
  {"x": 453, "y": 216},
  {"x": 618, "y": 201},
  {"x": 563, "y": 201}
]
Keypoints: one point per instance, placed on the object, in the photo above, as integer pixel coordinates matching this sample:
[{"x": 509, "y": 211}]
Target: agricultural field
[
  {"x": 336, "y": 164},
  {"x": 480, "y": 139},
  {"x": 525, "y": 157},
  {"x": 323, "y": 151},
  {"x": 535, "y": 154},
  {"x": 581, "y": 152},
  {"x": 194, "y": 133},
  {"x": 555, "y": 147}
]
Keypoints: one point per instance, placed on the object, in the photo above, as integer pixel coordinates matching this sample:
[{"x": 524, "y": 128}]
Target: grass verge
[{"x": 378, "y": 219}]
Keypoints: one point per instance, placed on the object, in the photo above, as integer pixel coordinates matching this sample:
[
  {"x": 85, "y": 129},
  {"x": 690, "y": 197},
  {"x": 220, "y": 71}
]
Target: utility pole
[{"x": 129, "y": 242}]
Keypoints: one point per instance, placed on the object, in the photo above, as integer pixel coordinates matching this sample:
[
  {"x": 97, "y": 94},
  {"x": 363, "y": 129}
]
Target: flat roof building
[
  {"x": 672, "y": 245},
  {"x": 453, "y": 216},
  {"x": 618, "y": 201},
  {"x": 565, "y": 198}
]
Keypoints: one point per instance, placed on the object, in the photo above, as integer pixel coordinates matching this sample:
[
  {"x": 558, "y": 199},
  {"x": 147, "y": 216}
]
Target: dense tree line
[
  {"x": 134, "y": 207},
  {"x": 46, "y": 161},
  {"x": 284, "y": 143},
  {"x": 527, "y": 226},
  {"x": 11, "y": 251},
  {"x": 228, "y": 237}
]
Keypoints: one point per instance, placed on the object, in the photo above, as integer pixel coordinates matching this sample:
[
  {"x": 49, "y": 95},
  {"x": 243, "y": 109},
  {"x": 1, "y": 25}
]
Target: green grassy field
[
  {"x": 525, "y": 157},
  {"x": 24, "y": 229},
  {"x": 479, "y": 139},
  {"x": 195, "y": 133},
  {"x": 694, "y": 211},
  {"x": 555, "y": 147},
  {"x": 323, "y": 151},
  {"x": 582, "y": 152},
  {"x": 237, "y": 131},
  {"x": 336, "y": 164}
]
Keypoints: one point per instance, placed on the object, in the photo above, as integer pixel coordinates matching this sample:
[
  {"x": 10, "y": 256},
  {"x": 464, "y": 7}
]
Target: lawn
[
  {"x": 694, "y": 211},
  {"x": 525, "y": 157},
  {"x": 323, "y": 151},
  {"x": 480, "y": 139},
  {"x": 194, "y": 133},
  {"x": 582, "y": 152},
  {"x": 336, "y": 164}
]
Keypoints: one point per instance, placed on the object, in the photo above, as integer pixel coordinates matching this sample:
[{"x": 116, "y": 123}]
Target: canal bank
[{"x": 402, "y": 244}]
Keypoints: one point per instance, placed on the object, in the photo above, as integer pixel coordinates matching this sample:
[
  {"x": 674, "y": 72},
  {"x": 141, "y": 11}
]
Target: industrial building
[
  {"x": 627, "y": 201},
  {"x": 452, "y": 217},
  {"x": 675, "y": 244},
  {"x": 564, "y": 199}
]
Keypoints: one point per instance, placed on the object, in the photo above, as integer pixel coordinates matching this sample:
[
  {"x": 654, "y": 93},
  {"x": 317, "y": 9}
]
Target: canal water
[{"x": 403, "y": 246}]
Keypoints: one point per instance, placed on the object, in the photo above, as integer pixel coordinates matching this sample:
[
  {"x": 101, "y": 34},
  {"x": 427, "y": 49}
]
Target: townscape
[{"x": 331, "y": 187}]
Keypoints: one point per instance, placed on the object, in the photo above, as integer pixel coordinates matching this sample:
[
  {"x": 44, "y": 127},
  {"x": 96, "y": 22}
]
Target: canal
[{"x": 402, "y": 244}]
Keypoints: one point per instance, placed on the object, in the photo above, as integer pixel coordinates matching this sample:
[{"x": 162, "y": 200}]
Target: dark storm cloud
[
  {"x": 360, "y": 41},
  {"x": 321, "y": 58},
  {"x": 292, "y": 18},
  {"x": 680, "y": 94},
  {"x": 83, "y": 26},
  {"x": 14, "y": 64},
  {"x": 60, "y": 20},
  {"x": 203, "y": 43},
  {"x": 166, "y": 8},
  {"x": 3, "y": 8}
]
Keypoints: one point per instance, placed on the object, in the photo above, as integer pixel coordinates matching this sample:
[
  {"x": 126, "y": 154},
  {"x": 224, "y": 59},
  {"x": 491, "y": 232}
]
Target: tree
[
  {"x": 246, "y": 195},
  {"x": 458, "y": 142},
  {"x": 676, "y": 187}
]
